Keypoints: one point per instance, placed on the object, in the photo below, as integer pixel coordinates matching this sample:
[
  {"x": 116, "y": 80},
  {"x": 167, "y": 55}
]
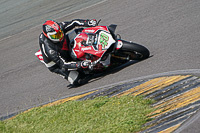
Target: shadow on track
[{"x": 112, "y": 70}]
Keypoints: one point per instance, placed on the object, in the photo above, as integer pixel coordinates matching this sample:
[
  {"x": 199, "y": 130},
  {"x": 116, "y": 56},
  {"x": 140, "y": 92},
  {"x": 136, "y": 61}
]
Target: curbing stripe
[
  {"x": 178, "y": 102},
  {"x": 178, "y": 113},
  {"x": 67, "y": 99},
  {"x": 171, "y": 129},
  {"x": 172, "y": 90},
  {"x": 146, "y": 84},
  {"x": 161, "y": 84}
]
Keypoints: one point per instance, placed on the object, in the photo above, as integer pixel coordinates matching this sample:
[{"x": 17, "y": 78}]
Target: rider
[{"x": 56, "y": 49}]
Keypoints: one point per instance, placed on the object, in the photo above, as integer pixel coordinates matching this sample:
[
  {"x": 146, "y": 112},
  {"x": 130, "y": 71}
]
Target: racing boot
[{"x": 75, "y": 78}]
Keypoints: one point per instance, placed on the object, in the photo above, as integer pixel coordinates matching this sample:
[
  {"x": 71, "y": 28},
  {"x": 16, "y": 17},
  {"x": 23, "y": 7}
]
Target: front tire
[{"x": 134, "y": 51}]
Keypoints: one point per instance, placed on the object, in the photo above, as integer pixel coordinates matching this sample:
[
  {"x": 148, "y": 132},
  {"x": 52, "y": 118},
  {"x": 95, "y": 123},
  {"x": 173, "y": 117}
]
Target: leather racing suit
[{"x": 57, "y": 55}]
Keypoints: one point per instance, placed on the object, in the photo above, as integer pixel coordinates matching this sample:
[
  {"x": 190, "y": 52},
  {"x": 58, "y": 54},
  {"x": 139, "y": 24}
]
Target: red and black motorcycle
[{"x": 102, "y": 48}]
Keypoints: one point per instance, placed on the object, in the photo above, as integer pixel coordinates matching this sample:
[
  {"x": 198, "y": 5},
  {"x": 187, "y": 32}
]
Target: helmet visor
[{"x": 58, "y": 35}]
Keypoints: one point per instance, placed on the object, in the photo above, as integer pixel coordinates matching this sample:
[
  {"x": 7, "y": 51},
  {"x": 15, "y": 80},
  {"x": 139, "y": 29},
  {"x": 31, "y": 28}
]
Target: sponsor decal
[
  {"x": 48, "y": 28},
  {"x": 51, "y": 52},
  {"x": 104, "y": 40},
  {"x": 40, "y": 57},
  {"x": 92, "y": 31},
  {"x": 86, "y": 48},
  {"x": 55, "y": 26}
]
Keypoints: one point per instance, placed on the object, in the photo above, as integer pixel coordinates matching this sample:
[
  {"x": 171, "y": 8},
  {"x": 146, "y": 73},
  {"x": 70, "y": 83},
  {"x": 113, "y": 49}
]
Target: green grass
[{"x": 100, "y": 115}]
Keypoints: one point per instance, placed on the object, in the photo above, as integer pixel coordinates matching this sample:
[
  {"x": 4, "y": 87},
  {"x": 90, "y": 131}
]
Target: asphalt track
[{"x": 170, "y": 29}]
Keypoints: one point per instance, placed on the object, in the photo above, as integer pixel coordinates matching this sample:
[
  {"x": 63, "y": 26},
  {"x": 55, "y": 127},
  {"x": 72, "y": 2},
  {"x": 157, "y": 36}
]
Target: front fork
[
  {"x": 121, "y": 54},
  {"x": 118, "y": 54}
]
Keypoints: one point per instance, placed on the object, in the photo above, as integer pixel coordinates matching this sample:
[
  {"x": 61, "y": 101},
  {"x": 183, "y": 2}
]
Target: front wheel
[{"x": 133, "y": 50}]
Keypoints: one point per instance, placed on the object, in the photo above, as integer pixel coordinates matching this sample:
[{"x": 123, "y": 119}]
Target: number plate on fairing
[{"x": 105, "y": 39}]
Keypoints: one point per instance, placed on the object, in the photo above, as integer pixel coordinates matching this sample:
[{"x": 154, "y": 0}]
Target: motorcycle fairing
[
  {"x": 94, "y": 41},
  {"x": 95, "y": 29}
]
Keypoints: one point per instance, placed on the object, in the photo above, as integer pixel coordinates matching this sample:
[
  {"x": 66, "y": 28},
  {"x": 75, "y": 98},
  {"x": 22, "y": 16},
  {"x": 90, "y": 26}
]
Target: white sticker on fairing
[
  {"x": 105, "y": 39},
  {"x": 92, "y": 31},
  {"x": 86, "y": 48}
]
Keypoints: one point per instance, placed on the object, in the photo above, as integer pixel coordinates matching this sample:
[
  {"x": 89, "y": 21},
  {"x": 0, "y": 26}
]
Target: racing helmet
[{"x": 53, "y": 31}]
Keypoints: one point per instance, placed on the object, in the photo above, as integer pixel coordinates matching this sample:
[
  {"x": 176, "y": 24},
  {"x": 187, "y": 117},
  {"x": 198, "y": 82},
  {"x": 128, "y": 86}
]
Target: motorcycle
[{"x": 102, "y": 48}]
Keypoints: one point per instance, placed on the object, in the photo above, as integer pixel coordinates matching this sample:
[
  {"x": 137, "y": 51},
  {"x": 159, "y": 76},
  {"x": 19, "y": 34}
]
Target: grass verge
[{"x": 102, "y": 114}]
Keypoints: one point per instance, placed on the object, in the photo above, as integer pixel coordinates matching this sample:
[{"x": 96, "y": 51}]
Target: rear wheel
[{"x": 133, "y": 50}]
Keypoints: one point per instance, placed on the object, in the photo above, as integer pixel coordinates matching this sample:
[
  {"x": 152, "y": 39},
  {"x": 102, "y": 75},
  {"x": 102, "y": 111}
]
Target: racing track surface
[{"x": 170, "y": 29}]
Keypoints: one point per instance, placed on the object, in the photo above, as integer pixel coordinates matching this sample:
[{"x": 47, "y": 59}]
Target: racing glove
[
  {"x": 78, "y": 65},
  {"x": 85, "y": 64},
  {"x": 92, "y": 22}
]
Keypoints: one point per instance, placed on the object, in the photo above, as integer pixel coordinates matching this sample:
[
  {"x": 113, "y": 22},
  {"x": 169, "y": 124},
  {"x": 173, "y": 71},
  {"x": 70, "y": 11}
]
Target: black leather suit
[{"x": 56, "y": 54}]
